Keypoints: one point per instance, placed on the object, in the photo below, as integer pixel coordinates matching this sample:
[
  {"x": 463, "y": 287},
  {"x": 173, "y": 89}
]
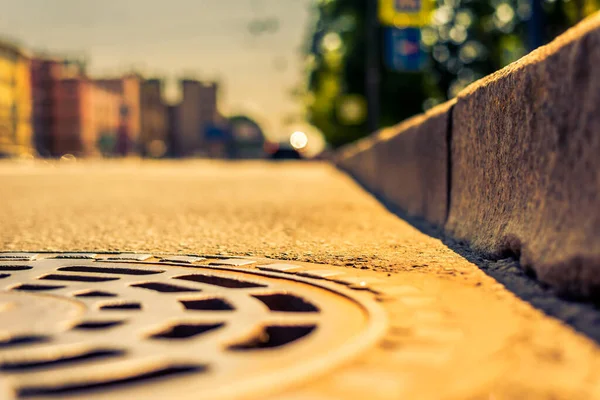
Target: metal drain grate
[{"x": 143, "y": 326}]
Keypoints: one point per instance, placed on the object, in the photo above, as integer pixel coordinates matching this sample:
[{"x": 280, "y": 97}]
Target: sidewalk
[{"x": 466, "y": 338}]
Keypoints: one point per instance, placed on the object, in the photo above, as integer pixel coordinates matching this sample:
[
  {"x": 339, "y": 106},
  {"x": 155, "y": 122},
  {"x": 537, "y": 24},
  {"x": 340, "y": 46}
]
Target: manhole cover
[{"x": 161, "y": 327}]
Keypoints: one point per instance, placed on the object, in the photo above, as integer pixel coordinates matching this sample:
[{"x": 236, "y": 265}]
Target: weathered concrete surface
[
  {"x": 407, "y": 164},
  {"x": 526, "y": 162},
  {"x": 359, "y": 160},
  {"x": 524, "y": 167},
  {"x": 455, "y": 332},
  {"x": 413, "y": 162},
  {"x": 306, "y": 211}
]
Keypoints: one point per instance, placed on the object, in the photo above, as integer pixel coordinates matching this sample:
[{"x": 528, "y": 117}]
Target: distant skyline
[{"x": 207, "y": 39}]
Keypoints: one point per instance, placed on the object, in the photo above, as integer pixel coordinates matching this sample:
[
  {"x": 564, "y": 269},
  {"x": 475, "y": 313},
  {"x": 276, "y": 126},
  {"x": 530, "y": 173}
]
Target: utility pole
[
  {"x": 372, "y": 78},
  {"x": 536, "y": 25}
]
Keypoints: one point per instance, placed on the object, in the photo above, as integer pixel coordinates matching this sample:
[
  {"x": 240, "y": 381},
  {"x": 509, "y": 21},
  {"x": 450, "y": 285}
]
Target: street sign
[
  {"x": 403, "y": 50},
  {"x": 405, "y": 13}
]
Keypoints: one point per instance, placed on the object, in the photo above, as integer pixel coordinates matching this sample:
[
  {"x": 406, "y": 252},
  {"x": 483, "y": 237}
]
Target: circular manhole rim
[{"x": 375, "y": 326}]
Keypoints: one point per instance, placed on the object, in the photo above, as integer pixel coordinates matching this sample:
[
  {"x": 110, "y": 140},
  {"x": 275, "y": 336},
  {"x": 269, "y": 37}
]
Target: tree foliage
[{"x": 466, "y": 40}]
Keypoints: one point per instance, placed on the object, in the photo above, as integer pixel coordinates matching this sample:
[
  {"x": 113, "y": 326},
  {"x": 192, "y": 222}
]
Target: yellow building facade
[{"x": 15, "y": 101}]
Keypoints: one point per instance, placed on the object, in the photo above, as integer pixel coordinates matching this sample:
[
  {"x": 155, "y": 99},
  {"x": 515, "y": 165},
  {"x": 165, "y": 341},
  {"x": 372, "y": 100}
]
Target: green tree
[
  {"x": 335, "y": 62},
  {"x": 469, "y": 39},
  {"x": 466, "y": 40}
]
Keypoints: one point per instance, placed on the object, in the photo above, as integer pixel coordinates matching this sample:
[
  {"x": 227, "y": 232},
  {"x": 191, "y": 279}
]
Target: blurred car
[{"x": 282, "y": 151}]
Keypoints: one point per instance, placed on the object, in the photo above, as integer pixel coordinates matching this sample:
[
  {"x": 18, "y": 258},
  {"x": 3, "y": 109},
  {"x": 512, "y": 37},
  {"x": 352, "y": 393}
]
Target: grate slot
[
  {"x": 274, "y": 336},
  {"x": 185, "y": 331},
  {"x": 164, "y": 287},
  {"x": 286, "y": 303},
  {"x": 78, "y": 278},
  {"x": 9, "y": 268},
  {"x": 18, "y": 256},
  {"x": 95, "y": 293},
  {"x": 21, "y": 340},
  {"x": 2, "y": 276},
  {"x": 220, "y": 281},
  {"x": 37, "y": 288},
  {"x": 111, "y": 270},
  {"x": 86, "y": 328},
  {"x": 214, "y": 304},
  {"x": 75, "y": 256},
  {"x": 81, "y": 387},
  {"x": 60, "y": 361},
  {"x": 95, "y": 325},
  {"x": 122, "y": 306}
]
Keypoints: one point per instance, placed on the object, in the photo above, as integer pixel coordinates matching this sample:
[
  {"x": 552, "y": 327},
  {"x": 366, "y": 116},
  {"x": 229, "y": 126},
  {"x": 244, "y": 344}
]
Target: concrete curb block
[
  {"x": 406, "y": 164},
  {"x": 526, "y": 161},
  {"x": 419, "y": 185},
  {"x": 359, "y": 159},
  {"x": 512, "y": 166}
]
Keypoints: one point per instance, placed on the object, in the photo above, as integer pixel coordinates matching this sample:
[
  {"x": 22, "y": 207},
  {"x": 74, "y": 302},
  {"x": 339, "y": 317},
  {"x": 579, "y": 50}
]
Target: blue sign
[{"x": 403, "y": 50}]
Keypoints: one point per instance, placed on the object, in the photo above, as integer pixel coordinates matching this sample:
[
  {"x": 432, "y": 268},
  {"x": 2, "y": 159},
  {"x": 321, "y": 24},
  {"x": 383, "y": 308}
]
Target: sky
[{"x": 205, "y": 39}]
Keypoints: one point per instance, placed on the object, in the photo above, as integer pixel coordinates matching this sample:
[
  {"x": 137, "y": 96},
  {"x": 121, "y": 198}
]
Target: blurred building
[
  {"x": 197, "y": 110},
  {"x": 175, "y": 148},
  {"x": 43, "y": 90},
  {"x": 59, "y": 90},
  {"x": 154, "y": 134},
  {"x": 92, "y": 119},
  {"x": 74, "y": 114},
  {"x": 73, "y": 132},
  {"x": 77, "y": 115},
  {"x": 128, "y": 88},
  {"x": 104, "y": 106},
  {"x": 15, "y": 101}
]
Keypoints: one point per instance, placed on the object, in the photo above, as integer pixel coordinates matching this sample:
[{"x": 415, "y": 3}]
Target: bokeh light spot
[
  {"x": 299, "y": 140},
  {"x": 352, "y": 110},
  {"x": 332, "y": 42}
]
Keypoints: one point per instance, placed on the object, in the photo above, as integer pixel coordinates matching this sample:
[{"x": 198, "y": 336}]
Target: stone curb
[
  {"x": 385, "y": 163},
  {"x": 512, "y": 166}
]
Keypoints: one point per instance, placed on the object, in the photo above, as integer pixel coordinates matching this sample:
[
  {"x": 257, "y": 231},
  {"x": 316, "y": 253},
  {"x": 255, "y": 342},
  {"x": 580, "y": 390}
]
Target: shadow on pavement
[{"x": 582, "y": 316}]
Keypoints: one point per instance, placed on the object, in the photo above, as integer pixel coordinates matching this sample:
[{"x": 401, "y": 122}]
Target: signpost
[
  {"x": 372, "y": 72},
  {"x": 402, "y": 20},
  {"x": 403, "y": 50}
]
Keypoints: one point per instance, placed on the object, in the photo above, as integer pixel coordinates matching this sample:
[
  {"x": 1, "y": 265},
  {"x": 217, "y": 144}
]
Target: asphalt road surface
[{"x": 308, "y": 212}]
